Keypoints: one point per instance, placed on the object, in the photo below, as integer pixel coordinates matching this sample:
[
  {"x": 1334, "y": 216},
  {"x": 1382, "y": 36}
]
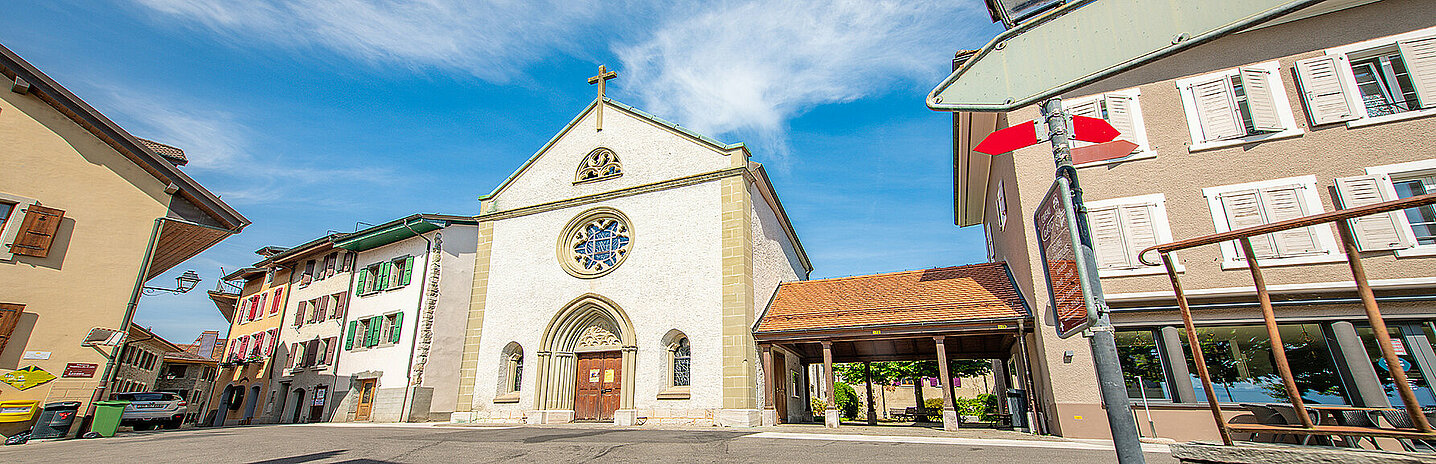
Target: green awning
[{"x": 384, "y": 235}]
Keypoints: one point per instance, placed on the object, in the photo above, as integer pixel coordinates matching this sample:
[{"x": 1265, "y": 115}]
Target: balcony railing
[{"x": 1420, "y": 428}]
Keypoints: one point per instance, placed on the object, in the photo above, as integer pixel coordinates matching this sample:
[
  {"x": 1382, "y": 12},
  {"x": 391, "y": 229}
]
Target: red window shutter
[
  {"x": 299, "y": 314},
  {"x": 37, "y": 231},
  {"x": 273, "y": 342},
  {"x": 233, "y": 349},
  {"x": 342, "y": 305},
  {"x": 333, "y": 342},
  {"x": 278, "y": 294},
  {"x": 244, "y": 346},
  {"x": 9, "y": 317}
]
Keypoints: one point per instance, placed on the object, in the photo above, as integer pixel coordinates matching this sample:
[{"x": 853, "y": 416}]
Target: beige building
[
  {"x": 88, "y": 215},
  {"x": 1329, "y": 107},
  {"x": 242, "y": 392}
]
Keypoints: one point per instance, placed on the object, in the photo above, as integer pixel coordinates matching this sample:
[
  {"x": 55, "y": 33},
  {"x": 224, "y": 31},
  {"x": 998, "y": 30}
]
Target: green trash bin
[{"x": 107, "y": 417}]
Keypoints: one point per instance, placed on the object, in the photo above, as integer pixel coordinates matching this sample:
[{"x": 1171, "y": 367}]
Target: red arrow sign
[
  {"x": 1009, "y": 139},
  {"x": 1095, "y": 130},
  {"x": 1102, "y": 151}
]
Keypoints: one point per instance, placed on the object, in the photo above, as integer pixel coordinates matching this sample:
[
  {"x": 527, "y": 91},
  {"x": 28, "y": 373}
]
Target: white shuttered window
[
  {"x": 1122, "y": 228},
  {"x": 1386, "y": 231},
  {"x": 1237, "y": 106},
  {"x": 1123, "y": 110},
  {"x": 1248, "y": 205},
  {"x": 1371, "y": 82}
]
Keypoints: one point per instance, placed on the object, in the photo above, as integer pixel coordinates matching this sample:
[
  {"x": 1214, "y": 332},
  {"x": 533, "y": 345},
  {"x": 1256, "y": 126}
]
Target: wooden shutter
[
  {"x": 1324, "y": 91},
  {"x": 1283, "y": 203},
  {"x": 1243, "y": 209},
  {"x": 349, "y": 340},
  {"x": 329, "y": 353},
  {"x": 381, "y": 281},
  {"x": 1420, "y": 58},
  {"x": 1106, "y": 227},
  {"x": 374, "y": 323},
  {"x": 9, "y": 318},
  {"x": 322, "y": 311},
  {"x": 299, "y": 315},
  {"x": 341, "y": 305},
  {"x": 243, "y": 309},
  {"x": 1140, "y": 230},
  {"x": 1217, "y": 109},
  {"x": 244, "y": 346},
  {"x": 1121, "y": 113},
  {"x": 278, "y": 297},
  {"x": 311, "y": 351},
  {"x": 257, "y": 311},
  {"x": 37, "y": 231},
  {"x": 408, "y": 271},
  {"x": 363, "y": 279},
  {"x": 1261, "y": 98},
  {"x": 1386, "y": 231},
  {"x": 398, "y": 326}
]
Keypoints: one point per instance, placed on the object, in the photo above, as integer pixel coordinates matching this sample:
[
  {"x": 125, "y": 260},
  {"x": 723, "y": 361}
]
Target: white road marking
[{"x": 1147, "y": 447}]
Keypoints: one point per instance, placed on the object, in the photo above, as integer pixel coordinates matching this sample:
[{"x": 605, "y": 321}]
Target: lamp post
[{"x": 183, "y": 284}]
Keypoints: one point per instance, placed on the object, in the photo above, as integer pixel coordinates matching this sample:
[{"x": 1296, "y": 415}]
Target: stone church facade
[{"x": 618, "y": 275}]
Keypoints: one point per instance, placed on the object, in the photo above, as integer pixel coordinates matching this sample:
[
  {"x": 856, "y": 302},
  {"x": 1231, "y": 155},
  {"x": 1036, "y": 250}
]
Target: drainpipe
[
  {"x": 414, "y": 337},
  {"x": 109, "y": 375}
]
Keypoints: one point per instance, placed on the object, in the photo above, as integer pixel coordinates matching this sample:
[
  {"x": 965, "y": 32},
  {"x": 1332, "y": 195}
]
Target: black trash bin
[{"x": 55, "y": 420}]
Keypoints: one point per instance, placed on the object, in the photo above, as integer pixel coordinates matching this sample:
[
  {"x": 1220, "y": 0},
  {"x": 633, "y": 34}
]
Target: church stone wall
[
  {"x": 649, "y": 153},
  {"x": 670, "y": 280},
  {"x": 775, "y": 259}
]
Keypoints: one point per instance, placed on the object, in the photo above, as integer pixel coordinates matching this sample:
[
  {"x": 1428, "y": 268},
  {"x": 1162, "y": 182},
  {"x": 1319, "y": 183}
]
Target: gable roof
[
  {"x": 58, "y": 97},
  {"x": 696, "y": 137},
  {"x": 951, "y": 295}
]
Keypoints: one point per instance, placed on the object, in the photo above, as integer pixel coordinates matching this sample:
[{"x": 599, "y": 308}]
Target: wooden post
[
  {"x": 872, "y": 407},
  {"x": 1196, "y": 347},
  {"x": 1278, "y": 350},
  {"x": 949, "y": 407},
  {"x": 832, "y": 416},
  {"x": 770, "y": 413}
]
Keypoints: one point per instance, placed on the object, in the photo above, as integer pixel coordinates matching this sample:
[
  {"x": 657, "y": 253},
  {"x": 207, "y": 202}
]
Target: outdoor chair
[
  {"x": 1355, "y": 418},
  {"x": 1265, "y": 416},
  {"x": 1399, "y": 419},
  {"x": 1288, "y": 414}
]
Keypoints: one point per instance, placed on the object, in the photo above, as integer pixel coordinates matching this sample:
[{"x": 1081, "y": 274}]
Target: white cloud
[
  {"x": 750, "y": 66},
  {"x": 493, "y": 40}
]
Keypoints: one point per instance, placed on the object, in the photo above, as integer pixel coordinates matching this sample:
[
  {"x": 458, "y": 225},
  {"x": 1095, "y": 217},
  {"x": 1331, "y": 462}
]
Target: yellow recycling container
[{"x": 19, "y": 410}]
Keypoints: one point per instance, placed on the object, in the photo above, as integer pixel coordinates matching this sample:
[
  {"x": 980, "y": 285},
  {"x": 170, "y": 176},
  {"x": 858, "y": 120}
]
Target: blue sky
[{"x": 312, "y": 115}]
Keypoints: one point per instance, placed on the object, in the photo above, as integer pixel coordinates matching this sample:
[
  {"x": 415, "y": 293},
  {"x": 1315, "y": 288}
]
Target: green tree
[{"x": 847, "y": 400}]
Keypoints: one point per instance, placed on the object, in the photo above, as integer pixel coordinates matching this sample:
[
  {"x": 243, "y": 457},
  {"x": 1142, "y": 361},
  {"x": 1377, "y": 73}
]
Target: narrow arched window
[
  {"x": 682, "y": 360},
  {"x": 511, "y": 371},
  {"x": 516, "y": 368}
]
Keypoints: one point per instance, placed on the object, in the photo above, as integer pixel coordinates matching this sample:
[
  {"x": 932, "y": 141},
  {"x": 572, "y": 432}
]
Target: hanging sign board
[
  {"x": 1085, "y": 41},
  {"x": 1071, "y": 271}
]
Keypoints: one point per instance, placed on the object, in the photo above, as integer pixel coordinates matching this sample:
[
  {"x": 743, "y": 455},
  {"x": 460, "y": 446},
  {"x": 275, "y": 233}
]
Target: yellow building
[
  {"x": 88, "y": 214},
  {"x": 241, "y": 393}
]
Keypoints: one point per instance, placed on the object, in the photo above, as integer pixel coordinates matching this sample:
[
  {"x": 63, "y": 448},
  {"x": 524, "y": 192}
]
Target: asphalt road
[{"x": 423, "y": 444}]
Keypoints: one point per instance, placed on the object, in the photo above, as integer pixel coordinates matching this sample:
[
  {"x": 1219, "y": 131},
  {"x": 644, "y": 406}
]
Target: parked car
[{"x": 148, "y": 409}]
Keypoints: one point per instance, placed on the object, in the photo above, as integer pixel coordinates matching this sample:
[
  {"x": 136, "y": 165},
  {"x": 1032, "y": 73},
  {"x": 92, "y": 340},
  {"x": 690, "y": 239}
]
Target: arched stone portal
[{"x": 587, "y": 326}]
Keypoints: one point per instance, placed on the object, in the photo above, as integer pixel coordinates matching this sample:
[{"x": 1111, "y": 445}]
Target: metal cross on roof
[{"x": 603, "y": 76}]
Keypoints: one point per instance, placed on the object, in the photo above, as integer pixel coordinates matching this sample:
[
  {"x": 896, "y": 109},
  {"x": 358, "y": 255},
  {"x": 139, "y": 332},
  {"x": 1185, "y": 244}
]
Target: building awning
[
  {"x": 179, "y": 241},
  {"x": 398, "y": 229},
  {"x": 977, "y": 297}
]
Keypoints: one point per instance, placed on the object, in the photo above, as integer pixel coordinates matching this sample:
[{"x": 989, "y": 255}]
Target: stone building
[
  {"x": 191, "y": 372},
  {"x": 140, "y": 361},
  {"x": 618, "y": 276}
]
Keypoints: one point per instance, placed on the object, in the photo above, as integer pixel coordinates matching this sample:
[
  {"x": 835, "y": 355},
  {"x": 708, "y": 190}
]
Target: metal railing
[{"x": 1422, "y": 427}]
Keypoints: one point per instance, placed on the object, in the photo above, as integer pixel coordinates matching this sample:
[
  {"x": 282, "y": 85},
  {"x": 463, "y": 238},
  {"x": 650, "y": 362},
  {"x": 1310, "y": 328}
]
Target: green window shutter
[
  {"x": 398, "y": 324},
  {"x": 363, "y": 278},
  {"x": 375, "y": 323},
  {"x": 408, "y": 271},
  {"x": 382, "y": 282},
  {"x": 349, "y": 342}
]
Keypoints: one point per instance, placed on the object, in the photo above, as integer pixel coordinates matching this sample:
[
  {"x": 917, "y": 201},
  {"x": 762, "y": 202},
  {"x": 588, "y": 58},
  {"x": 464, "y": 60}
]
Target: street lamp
[
  {"x": 1013, "y": 12},
  {"x": 183, "y": 284}
]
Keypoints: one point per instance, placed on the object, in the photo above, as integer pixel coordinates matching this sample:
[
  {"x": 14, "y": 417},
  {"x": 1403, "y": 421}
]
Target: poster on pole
[{"x": 1068, "y": 264}]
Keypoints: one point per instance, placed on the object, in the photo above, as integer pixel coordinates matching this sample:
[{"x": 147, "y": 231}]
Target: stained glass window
[
  {"x": 601, "y": 163},
  {"x": 682, "y": 359},
  {"x": 595, "y": 243}
]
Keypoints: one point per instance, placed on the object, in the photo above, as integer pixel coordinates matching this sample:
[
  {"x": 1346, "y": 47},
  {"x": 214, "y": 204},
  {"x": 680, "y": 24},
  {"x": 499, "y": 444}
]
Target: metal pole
[
  {"x": 1142, "y": 389},
  {"x": 1378, "y": 326},
  {"x": 1278, "y": 349},
  {"x": 1104, "y": 343},
  {"x": 1196, "y": 346}
]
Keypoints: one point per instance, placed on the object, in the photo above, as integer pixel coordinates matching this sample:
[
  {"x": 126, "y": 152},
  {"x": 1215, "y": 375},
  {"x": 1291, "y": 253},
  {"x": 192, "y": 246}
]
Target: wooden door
[
  {"x": 366, "y": 400},
  {"x": 599, "y": 386},
  {"x": 780, "y": 386}
]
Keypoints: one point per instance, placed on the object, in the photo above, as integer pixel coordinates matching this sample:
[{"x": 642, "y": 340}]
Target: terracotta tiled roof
[
  {"x": 950, "y": 294},
  {"x": 173, "y": 154}
]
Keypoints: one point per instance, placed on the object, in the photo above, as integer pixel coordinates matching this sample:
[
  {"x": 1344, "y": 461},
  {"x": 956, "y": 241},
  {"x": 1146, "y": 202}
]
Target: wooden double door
[{"x": 599, "y": 385}]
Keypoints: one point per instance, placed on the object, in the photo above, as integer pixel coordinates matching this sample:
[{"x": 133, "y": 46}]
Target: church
[{"x": 618, "y": 276}]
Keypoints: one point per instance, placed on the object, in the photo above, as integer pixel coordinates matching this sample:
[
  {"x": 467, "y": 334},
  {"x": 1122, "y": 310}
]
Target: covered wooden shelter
[{"x": 963, "y": 312}]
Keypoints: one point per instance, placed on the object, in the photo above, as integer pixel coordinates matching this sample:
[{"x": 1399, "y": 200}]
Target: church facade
[{"x": 618, "y": 275}]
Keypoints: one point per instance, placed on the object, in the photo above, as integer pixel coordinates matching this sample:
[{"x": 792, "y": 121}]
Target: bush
[
  {"x": 989, "y": 407},
  {"x": 847, "y": 401},
  {"x": 820, "y": 407}
]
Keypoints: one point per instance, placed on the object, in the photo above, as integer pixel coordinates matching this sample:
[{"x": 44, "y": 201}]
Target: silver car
[{"x": 148, "y": 409}]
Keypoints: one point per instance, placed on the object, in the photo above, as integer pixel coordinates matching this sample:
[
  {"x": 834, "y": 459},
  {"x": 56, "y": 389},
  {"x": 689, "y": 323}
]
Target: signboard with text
[
  {"x": 1070, "y": 270},
  {"x": 79, "y": 370}
]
